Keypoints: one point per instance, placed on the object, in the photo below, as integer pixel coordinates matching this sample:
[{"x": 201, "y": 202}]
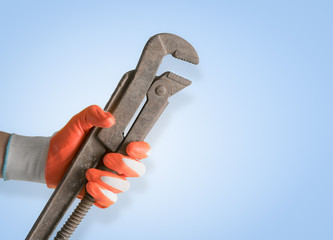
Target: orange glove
[{"x": 102, "y": 186}]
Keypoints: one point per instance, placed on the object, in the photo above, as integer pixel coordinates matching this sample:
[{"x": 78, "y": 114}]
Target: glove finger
[
  {"x": 108, "y": 180},
  {"x": 124, "y": 165},
  {"x": 138, "y": 150},
  {"x": 95, "y": 116},
  {"x": 103, "y": 197}
]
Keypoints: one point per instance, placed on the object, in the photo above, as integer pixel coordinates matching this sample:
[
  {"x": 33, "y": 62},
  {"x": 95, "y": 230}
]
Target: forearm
[{"x": 3, "y": 144}]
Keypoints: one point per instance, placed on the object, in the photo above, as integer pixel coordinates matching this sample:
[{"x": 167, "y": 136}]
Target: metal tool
[{"x": 123, "y": 104}]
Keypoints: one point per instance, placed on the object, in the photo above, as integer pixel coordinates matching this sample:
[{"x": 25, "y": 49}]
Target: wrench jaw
[
  {"x": 178, "y": 47},
  {"x": 175, "y": 82},
  {"x": 162, "y": 44}
]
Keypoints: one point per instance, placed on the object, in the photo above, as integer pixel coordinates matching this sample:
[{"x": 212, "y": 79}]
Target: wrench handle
[{"x": 138, "y": 132}]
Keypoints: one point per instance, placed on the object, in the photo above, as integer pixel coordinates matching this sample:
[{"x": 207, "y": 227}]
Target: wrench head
[
  {"x": 177, "y": 46},
  {"x": 161, "y": 45}
]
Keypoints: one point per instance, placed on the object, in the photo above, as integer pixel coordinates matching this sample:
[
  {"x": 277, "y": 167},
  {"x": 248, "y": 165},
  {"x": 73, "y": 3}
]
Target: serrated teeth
[
  {"x": 176, "y": 82},
  {"x": 179, "y": 79},
  {"x": 184, "y": 57}
]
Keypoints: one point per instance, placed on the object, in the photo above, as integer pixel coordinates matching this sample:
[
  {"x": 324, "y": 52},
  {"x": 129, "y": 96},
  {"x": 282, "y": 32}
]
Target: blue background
[{"x": 245, "y": 152}]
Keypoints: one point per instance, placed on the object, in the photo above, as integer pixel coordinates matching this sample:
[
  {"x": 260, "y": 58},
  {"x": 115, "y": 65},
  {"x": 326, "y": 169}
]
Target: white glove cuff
[{"x": 25, "y": 158}]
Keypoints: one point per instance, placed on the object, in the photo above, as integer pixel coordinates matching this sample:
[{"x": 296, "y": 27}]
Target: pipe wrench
[{"x": 131, "y": 91}]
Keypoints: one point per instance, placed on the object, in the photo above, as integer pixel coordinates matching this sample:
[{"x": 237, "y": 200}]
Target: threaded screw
[{"x": 76, "y": 217}]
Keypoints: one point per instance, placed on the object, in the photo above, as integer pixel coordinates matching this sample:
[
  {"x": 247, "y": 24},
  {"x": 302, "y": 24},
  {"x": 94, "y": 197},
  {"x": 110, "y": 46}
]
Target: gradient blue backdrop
[{"x": 245, "y": 152}]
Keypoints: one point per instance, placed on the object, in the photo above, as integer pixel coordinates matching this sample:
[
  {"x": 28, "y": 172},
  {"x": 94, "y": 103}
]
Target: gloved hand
[{"x": 102, "y": 185}]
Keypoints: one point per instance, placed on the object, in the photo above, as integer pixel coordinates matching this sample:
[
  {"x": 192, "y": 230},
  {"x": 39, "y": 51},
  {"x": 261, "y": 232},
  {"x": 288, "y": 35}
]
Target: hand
[
  {"x": 103, "y": 186},
  {"x": 65, "y": 143}
]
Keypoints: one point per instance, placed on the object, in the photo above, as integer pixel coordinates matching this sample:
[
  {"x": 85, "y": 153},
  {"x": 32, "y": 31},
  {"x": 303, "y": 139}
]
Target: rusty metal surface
[{"x": 123, "y": 104}]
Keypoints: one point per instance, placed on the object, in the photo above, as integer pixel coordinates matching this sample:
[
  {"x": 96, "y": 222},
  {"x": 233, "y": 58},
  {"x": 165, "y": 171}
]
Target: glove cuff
[{"x": 25, "y": 158}]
